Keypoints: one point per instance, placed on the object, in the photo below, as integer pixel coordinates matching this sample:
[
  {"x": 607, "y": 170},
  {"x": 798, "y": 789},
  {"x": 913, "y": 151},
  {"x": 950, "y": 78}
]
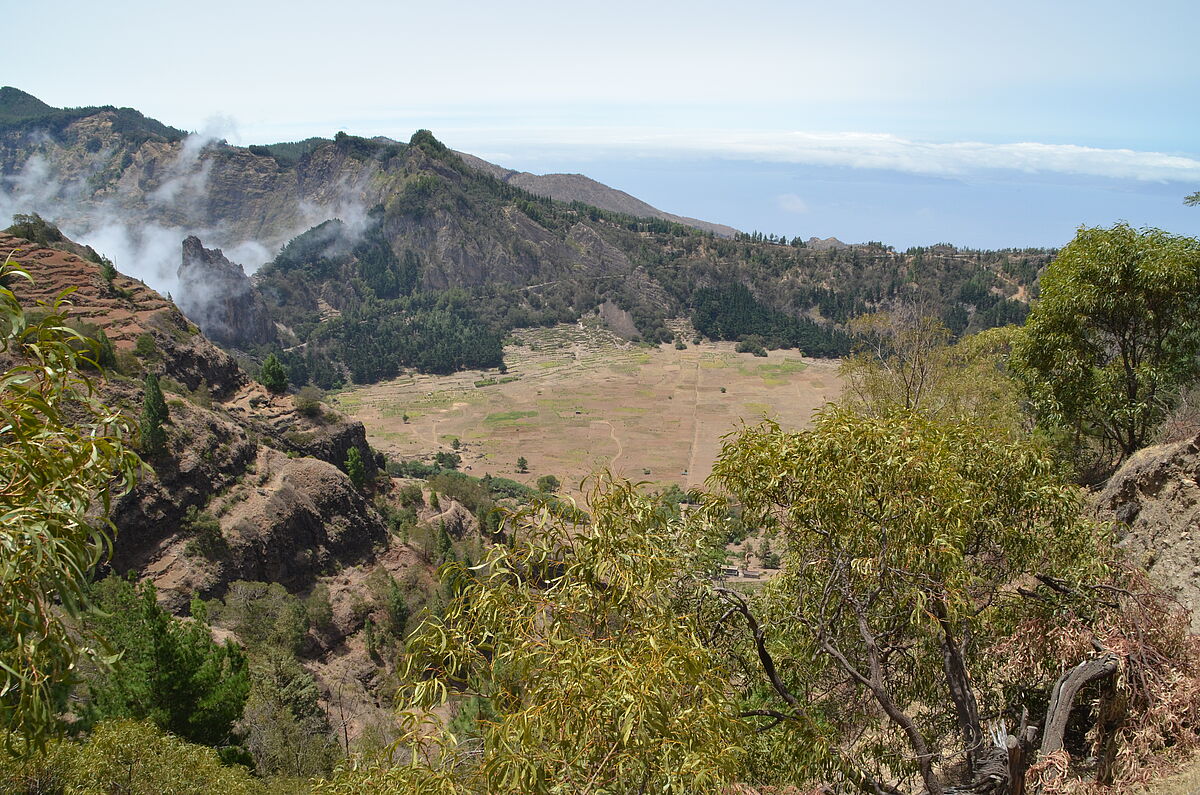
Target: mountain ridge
[
  {"x": 582, "y": 188},
  {"x": 372, "y": 256}
]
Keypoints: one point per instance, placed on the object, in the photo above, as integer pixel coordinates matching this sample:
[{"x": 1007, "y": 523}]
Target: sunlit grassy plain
[{"x": 577, "y": 400}]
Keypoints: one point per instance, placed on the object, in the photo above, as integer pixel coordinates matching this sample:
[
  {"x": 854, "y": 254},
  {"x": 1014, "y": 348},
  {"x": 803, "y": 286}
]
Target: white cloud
[
  {"x": 851, "y": 149},
  {"x": 791, "y": 203}
]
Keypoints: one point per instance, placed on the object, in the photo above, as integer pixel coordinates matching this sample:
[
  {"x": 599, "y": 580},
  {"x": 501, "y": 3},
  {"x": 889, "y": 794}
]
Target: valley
[
  {"x": 576, "y": 400},
  {"x": 355, "y": 545}
]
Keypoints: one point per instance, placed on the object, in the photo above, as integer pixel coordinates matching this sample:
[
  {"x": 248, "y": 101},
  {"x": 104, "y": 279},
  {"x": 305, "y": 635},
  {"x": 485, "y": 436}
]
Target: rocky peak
[
  {"x": 217, "y": 296},
  {"x": 825, "y": 244}
]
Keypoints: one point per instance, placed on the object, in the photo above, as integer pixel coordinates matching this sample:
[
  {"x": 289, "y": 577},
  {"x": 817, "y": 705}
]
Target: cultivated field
[{"x": 577, "y": 400}]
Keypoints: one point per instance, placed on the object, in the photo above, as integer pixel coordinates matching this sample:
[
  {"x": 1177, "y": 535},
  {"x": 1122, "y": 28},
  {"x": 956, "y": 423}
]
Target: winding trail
[{"x": 612, "y": 434}]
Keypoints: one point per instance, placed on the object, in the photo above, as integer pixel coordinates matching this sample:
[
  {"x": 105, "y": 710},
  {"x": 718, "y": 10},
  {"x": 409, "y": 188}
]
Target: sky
[{"x": 980, "y": 124}]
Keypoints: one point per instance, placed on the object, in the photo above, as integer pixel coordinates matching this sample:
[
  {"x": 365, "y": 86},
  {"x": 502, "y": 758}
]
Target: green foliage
[
  {"x": 22, "y": 112},
  {"x": 154, "y": 414},
  {"x": 901, "y": 536},
  {"x": 318, "y": 609},
  {"x": 391, "y": 599},
  {"x": 731, "y": 312},
  {"x": 355, "y": 469},
  {"x": 447, "y": 460},
  {"x": 904, "y": 361},
  {"x": 443, "y": 544},
  {"x": 272, "y": 375},
  {"x": 131, "y": 758},
  {"x": 288, "y": 153},
  {"x": 170, "y": 672},
  {"x": 145, "y": 346},
  {"x": 317, "y": 253},
  {"x": 411, "y": 496},
  {"x": 522, "y": 464},
  {"x": 377, "y": 341},
  {"x": 548, "y": 484},
  {"x": 35, "y": 229},
  {"x": 387, "y": 282},
  {"x": 616, "y": 693},
  {"x": 107, "y": 271},
  {"x": 1114, "y": 337},
  {"x": 262, "y": 614},
  {"x": 207, "y": 540},
  {"x": 769, "y": 557},
  {"x": 95, "y": 348},
  {"x": 63, "y": 458},
  {"x": 308, "y": 402},
  {"x": 752, "y": 343},
  {"x": 285, "y": 728},
  {"x": 361, "y": 148},
  {"x": 424, "y": 140}
]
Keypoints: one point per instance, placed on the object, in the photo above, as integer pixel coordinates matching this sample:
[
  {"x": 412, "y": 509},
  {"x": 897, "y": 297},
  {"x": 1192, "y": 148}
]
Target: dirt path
[{"x": 612, "y": 434}]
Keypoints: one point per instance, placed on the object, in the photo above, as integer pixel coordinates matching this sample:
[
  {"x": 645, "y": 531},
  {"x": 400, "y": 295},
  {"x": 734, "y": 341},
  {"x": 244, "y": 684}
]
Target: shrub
[
  {"x": 145, "y": 347},
  {"x": 411, "y": 496},
  {"x": 447, "y": 460},
  {"x": 308, "y": 402},
  {"x": 207, "y": 539}
]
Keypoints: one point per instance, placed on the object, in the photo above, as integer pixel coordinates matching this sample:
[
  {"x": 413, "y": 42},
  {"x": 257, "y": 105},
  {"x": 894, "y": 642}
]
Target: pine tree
[
  {"x": 272, "y": 375},
  {"x": 355, "y": 468},
  {"x": 154, "y": 414}
]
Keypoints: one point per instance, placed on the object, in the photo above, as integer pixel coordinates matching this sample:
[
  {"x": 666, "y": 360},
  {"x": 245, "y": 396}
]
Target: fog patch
[{"x": 115, "y": 223}]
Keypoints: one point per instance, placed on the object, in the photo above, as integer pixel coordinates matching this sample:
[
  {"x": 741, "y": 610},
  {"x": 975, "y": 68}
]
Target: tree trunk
[
  {"x": 965, "y": 706},
  {"x": 1065, "y": 691},
  {"x": 1063, "y": 697},
  {"x": 1020, "y": 753}
]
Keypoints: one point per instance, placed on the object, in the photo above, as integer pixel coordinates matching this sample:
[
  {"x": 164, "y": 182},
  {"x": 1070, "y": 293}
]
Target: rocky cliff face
[
  {"x": 1155, "y": 497},
  {"x": 217, "y": 296}
]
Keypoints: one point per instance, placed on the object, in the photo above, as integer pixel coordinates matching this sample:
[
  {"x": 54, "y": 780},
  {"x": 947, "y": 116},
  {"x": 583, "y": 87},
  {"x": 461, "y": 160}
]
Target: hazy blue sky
[{"x": 981, "y": 124}]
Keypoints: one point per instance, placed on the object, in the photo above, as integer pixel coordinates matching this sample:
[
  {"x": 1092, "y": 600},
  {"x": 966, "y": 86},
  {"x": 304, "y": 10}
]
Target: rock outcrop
[
  {"x": 332, "y": 444},
  {"x": 218, "y": 297},
  {"x": 1155, "y": 497}
]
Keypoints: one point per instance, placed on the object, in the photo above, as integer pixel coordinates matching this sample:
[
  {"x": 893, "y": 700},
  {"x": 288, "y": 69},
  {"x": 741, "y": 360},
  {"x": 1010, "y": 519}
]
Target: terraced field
[{"x": 576, "y": 400}]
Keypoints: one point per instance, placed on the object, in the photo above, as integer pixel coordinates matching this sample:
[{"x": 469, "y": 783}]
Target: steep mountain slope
[{"x": 246, "y": 488}]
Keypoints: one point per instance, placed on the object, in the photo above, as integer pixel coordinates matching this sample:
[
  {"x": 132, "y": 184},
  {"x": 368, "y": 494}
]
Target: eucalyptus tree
[
  {"x": 905, "y": 539},
  {"x": 1114, "y": 337},
  {"x": 63, "y": 457},
  {"x": 573, "y": 637}
]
